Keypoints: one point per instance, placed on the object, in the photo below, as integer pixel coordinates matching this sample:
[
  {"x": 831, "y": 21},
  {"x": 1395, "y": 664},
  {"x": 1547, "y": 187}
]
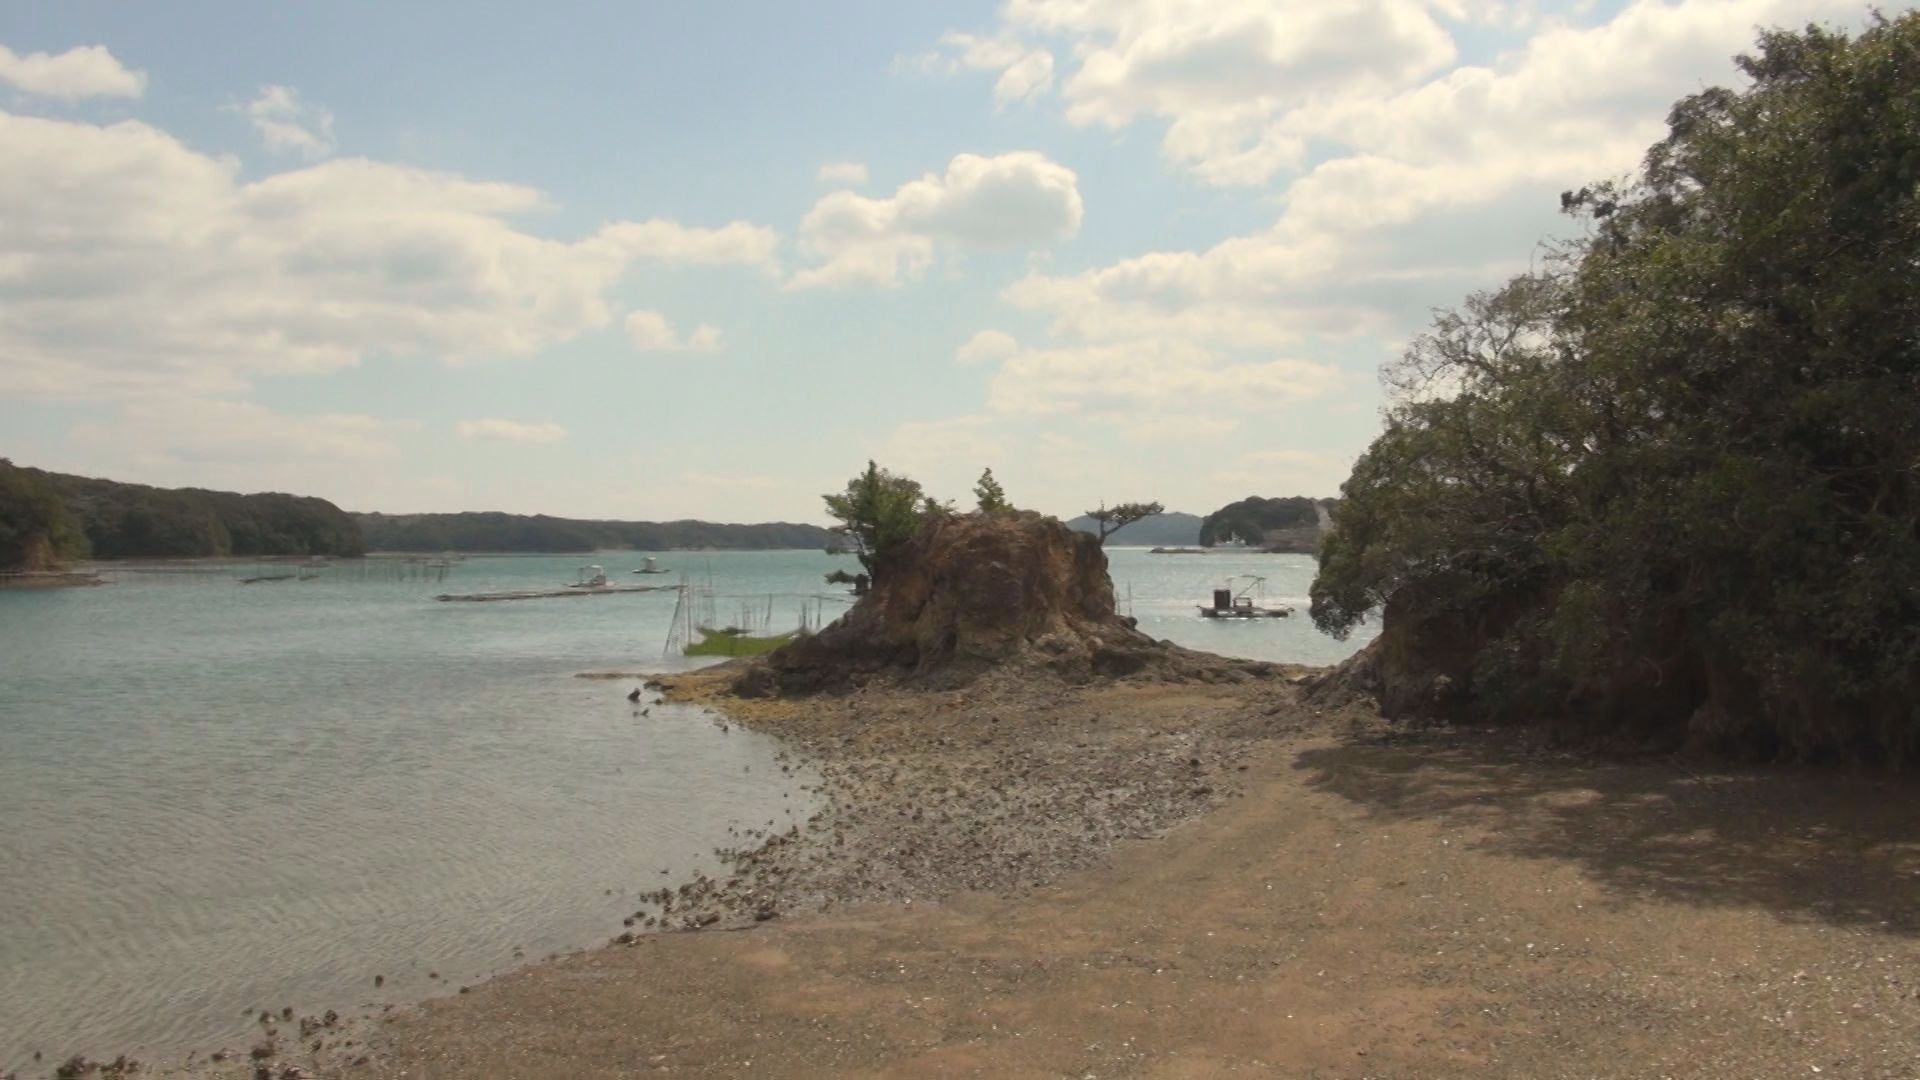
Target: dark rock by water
[{"x": 980, "y": 592}]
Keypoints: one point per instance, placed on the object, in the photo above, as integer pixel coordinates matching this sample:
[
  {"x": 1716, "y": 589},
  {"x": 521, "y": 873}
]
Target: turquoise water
[{"x": 217, "y": 798}]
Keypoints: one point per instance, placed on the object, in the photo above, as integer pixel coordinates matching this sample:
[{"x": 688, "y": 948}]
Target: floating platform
[{"x": 541, "y": 594}]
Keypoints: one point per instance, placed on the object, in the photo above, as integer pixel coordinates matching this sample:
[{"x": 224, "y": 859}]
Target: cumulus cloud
[
  {"x": 851, "y": 173},
  {"x": 82, "y": 72},
  {"x": 1129, "y": 378},
  {"x": 132, "y": 264},
  {"x": 987, "y": 346},
  {"x": 284, "y": 122},
  {"x": 651, "y": 331},
  {"x": 1026, "y": 70},
  {"x": 1013, "y": 200},
  {"x": 1218, "y": 74},
  {"x": 1430, "y": 182},
  {"x": 513, "y": 431}
]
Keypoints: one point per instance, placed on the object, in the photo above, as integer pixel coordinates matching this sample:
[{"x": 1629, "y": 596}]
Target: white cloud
[
  {"x": 132, "y": 264},
  {"x": 1014, "y": 200},
  {"x": 946, "y": 456},
  {"x": 1130, "y": 378},
  {"x": 1430, "y": 185},
  {"x": 651, "y": 331},
  {"x": 82, "y": 72},
  {"x": 1026, "y": 70},
  {"x": 173, "y": 432},
  {"x": 850, "y": 173},
  {"x": 1217, "y": 72},
  {"x": 670, "y": 242},
  {"x": 986, "y": 347},
  {"x": 1025, "y": 78},
  {"x": 1315, "y": 473},
  {"x": 285, "y": 123},
  {"x": 512, "y": 431}
]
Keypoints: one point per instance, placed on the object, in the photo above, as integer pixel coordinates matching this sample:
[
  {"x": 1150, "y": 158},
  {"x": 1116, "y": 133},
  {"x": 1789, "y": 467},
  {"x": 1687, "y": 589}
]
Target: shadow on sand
[{"x": 1829, "y": 846}]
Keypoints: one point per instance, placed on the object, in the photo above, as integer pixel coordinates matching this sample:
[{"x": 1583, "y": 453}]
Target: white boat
[
  {"x": 651, "y": 567},
  {"x": 591, "y": 577}
]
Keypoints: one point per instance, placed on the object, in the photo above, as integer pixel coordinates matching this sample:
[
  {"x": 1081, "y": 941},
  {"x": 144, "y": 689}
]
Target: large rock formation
[{"x": 979, "y": 592}]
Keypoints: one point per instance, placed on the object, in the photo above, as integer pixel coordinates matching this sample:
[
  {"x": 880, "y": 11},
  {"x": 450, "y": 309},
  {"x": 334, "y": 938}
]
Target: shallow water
[{"x": 218, "y": 798}]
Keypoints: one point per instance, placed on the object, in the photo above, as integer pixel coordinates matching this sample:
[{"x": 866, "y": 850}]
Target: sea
[{"x": 221, "y": 796}]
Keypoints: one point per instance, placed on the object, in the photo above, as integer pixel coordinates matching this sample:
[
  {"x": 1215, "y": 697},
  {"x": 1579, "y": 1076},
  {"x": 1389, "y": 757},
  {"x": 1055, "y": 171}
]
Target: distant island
[
  {"x": 48, "y": 519},
  {"x": 1160, "y": 529},
  {"x": 500, "y": 534},
  {"x": 1290, "y": 525}
]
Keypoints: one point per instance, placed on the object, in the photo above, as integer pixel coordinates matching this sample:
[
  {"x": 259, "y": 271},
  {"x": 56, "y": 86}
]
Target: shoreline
[
  {"x": 49, "y": 579},
  {"x": 898, "y": 770},
  {"x": 1189, "y": 879}
]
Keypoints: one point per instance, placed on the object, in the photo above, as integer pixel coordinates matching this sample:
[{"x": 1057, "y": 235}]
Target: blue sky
[{"x": 658, "y": 261}]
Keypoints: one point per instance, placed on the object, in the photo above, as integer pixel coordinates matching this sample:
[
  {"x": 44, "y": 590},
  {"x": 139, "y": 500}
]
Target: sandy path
[{"x": 1369, "y": 906}]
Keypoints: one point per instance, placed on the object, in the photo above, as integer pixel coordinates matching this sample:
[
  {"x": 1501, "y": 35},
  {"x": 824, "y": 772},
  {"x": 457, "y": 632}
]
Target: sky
[{"x": 658, "y": 261}]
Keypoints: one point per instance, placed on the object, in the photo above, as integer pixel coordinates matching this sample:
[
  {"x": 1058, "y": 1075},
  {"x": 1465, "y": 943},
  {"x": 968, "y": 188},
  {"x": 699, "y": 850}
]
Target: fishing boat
[
  {"x": 590, "y": 577},
  {"x": 651, "y": 567},
  {"x": 1228, "y": 604}
]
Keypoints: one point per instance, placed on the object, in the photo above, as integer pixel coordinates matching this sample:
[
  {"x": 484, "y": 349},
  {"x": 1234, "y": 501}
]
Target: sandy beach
[{"x": 1207, "y": 879}]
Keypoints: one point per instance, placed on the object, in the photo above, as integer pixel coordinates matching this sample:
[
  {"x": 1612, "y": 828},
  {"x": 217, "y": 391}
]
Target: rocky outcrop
[
  {"x": 977, "y": 593},
  {"x": 1425, "y": 662}
]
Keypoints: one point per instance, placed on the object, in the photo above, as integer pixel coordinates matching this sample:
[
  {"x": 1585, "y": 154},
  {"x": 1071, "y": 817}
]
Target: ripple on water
[{"x": 209, "y": 808}]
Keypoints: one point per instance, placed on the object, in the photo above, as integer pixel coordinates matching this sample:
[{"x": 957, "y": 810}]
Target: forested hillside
[
  {"x": 1288, "y": 524},
  {"x": 46, "y": 514},
  {"x": 500, "y": 533},
  {"x": 37, "y": 531}
]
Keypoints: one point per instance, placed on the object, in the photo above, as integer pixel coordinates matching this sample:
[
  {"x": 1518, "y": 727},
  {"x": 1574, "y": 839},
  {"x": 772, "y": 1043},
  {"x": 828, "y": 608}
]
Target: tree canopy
[
  {"x": 492, "y": 531},
  {"x": 1250, "y": 519},
  {"x": 1669, "y": 478},
  {"x": 991, "y": 497},
  {"x": 37, "y": 531},
  {"x": 1111, "y": 519},
  {"x": 117, "y": 520},
  {"x": 880, "y": 511}
]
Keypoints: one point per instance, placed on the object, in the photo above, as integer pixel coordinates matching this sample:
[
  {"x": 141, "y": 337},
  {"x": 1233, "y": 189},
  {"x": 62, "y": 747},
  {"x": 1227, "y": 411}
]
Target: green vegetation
[
  {"x": 37, "y": 531},
  {"x": 1666, "y": 486},
  {"x": 880, "y": 512},
  {"x": 992, "y": 498},
  {"x": 1111, "y": 519},
  {"x": 110, "y": 520},
  {"x": 1165, "y": 529},
  {"x": 733, "y": 641},
  {"x": 498, "y": 533},
  {"x": 1251, "y": 520}
]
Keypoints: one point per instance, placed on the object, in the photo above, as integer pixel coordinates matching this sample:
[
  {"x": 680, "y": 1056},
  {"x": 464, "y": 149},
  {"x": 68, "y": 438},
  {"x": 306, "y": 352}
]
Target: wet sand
[{"x": 1198, "y": 880}]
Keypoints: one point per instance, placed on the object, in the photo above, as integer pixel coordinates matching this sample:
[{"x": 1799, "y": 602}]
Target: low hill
[
  {"x": 55, "y": 516},
  {"x": 1160, "y": 530},
  {"x": 1292, "y": 524},
  {"x": 499, "y": 533}
]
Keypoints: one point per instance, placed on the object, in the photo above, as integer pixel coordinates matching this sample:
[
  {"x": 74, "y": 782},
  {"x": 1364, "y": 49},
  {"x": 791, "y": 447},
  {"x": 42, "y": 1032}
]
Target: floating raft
[{"x": 539, "y": 594}]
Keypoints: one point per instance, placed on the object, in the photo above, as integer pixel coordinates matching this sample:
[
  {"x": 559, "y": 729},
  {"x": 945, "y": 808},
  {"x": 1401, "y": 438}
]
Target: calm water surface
[{"x": 217, "y": 798}]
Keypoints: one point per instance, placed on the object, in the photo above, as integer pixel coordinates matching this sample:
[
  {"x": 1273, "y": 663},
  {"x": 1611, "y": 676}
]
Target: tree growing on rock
[
  {"x": 880, "y": 511},
  {"x": 1111, "y": 519},
  {"x": 993, "y": 498}
]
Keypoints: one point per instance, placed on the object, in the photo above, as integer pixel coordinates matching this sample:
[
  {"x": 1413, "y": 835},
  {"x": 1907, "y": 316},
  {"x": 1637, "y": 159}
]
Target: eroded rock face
[{"x": 974, "y": 593}]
